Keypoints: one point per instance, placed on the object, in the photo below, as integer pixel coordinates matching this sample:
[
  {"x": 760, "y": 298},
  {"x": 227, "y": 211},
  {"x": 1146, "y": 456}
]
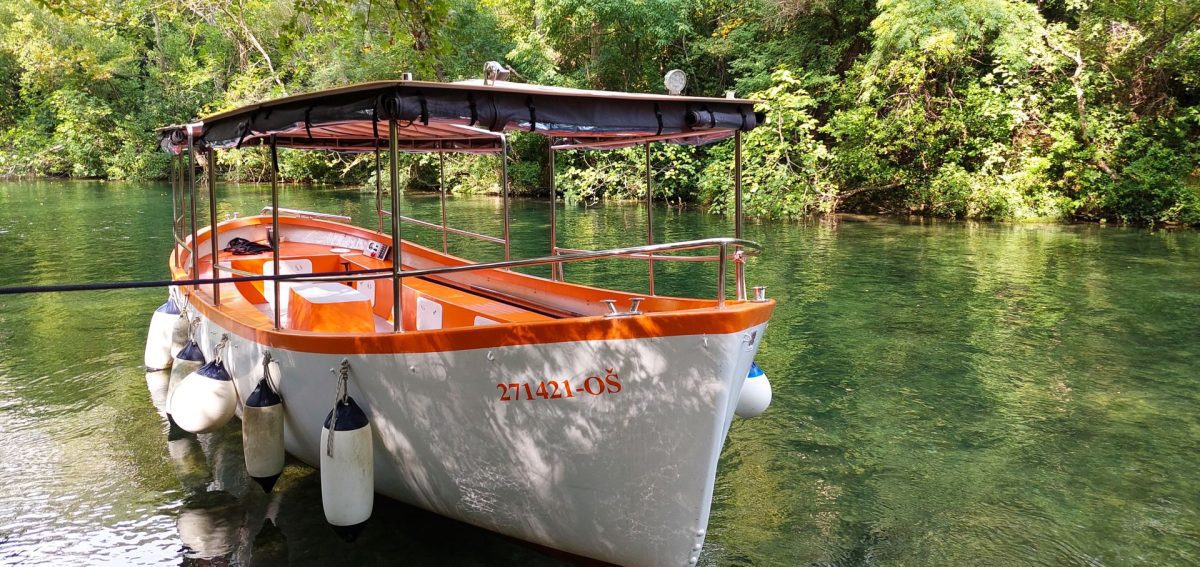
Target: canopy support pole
[
  {"x": 442, "y": 185},
  {"x": 737, "y": 184},
  {"x": 191, "y": 177},
  {"x": 397, "y": 256},
  {"x": 555, "y": 268},
  {"x": 739, "y": 264},
  {"x": 211, "y": 154},
  {"x": 276, "y": 238},
  {"x": 378, "y": 189},
  {"x": 504, "y": 190},
  {"x": 650, "y": 214},
  {"x": 175, "y": 169}
]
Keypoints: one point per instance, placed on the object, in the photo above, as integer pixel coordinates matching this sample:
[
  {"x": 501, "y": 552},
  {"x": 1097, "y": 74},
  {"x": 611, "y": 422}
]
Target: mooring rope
[
  {"x": 267, "y": 374},
  {"x": 220, "y": 359},
  {"x": 343, "y": 377}
]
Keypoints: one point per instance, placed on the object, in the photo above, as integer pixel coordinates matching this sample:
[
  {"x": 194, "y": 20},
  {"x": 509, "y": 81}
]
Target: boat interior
[{"x": 360, "y": 305}]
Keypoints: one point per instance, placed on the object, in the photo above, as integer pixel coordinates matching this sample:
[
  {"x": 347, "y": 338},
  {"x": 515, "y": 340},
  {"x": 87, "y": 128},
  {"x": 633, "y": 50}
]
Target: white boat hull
[{"x": 620, "y": 470}]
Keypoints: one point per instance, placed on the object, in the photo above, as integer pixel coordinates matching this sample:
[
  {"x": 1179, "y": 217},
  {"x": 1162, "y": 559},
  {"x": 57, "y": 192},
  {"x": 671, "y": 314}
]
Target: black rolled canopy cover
[{"x": 550, "y": 114}]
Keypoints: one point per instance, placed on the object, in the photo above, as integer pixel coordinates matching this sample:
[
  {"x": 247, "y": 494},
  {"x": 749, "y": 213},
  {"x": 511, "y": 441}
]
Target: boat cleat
[{"x": 634, "y": 303}]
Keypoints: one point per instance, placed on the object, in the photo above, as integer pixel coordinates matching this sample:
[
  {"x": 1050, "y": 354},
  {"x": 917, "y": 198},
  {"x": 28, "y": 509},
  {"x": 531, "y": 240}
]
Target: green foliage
[
  {"x": 785, "y": 168},
  {"x": 1002, "y": 109}
]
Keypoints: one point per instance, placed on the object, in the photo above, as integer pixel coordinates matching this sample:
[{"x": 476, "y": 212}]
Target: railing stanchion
[
  {"x": 721, "y": 276},
  {"x": 276, "y": 238},
  {"x": 397, "y": 255},
  {"x": 650, "y": 214},
  {"x": 214, "y": 245},
  {"x": 739, "y": 273}
]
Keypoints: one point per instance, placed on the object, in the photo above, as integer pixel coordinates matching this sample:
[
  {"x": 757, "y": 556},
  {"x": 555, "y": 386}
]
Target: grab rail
[
  {"x": 307, "y": 214},
  {"x": 449, "y": 229},
  {"x": 647, "y": 256},
  {"x": 748, "y": 248},
  {"x": 745, "y": 248}
]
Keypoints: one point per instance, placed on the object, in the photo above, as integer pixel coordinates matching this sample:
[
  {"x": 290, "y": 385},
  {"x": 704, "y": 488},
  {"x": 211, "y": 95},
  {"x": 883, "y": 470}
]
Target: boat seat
[
  {"x": 329, "y": 307},
  {"x": 430, "y": 305},
  {"x": 288, "y": 266}
]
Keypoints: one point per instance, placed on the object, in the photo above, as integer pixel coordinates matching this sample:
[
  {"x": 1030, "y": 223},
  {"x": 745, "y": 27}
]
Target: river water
[{"x": 945, "y": 393}]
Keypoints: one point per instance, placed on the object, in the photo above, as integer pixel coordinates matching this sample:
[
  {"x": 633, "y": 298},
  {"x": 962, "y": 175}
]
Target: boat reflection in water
[
  {"x": 224, "y": 518},
  {"x": 220, "y": 520}
]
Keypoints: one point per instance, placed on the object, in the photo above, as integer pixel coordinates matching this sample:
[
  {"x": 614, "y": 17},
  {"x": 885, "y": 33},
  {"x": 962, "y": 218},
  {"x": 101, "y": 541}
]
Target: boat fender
[
  {"x": 158, "y": 339},
  {"x": 181, "y": 332},
  {"x": 262, "y": 428},
  {"x": 205, "y": 400},
  {"x": 188, "y": 359},
  {"x": 347, "y": 464},
  {"x": 756, "y": 393}
]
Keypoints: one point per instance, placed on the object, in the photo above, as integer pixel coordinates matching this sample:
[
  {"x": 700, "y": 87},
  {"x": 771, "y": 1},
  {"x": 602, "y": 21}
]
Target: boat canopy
[{"x": 466, "y": 116}]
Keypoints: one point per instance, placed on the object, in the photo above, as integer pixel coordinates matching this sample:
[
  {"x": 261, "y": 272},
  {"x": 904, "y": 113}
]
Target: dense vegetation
[{"x": 1069, "y": 109}]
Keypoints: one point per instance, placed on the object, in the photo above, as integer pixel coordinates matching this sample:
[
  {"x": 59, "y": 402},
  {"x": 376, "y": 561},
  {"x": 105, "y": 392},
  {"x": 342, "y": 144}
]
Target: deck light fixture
[{"x": 675, "y": 81}]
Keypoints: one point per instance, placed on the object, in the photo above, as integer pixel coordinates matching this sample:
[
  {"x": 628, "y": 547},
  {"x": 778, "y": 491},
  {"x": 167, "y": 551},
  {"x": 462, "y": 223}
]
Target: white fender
[
  {"x": 262, "y": 432},
  {"x": 348, "y": 474},
  {"x": 188, "y": 359},
  {"x": 756, "y": 393},
  {"x": 158, "y": 339},
  {"x": 205, "y": 400}
]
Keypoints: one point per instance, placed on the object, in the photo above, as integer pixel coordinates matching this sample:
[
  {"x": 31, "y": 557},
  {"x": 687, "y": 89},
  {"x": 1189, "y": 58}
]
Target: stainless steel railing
[
  {"x": 742, "y": 248},
  {"x": 449, "y": 229},
  {"x": 306, "y": 214}
]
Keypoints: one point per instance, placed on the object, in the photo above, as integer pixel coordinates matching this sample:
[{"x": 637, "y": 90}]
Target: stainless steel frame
[
  {"x": 192, "y": 200},
  {"x": 558, "y": 256},
  {"x": 397, "y": 254},
  {"x": 504, "y": 188},
  {"x": 650, "y": 214},
  {"x": 212, "y": 219},
  {"x": 276, "y": 238},
  {"x": 723, "y": 245},
  {"x": 306, "y": 214}
]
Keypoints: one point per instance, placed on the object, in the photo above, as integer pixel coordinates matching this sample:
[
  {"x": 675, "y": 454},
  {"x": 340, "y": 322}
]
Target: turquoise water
[{"x": 945, "y": 393}]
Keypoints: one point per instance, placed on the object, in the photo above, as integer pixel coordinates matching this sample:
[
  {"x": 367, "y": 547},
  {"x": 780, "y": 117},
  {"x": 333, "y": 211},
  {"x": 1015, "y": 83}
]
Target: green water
[{"x": 945, "y": 394}]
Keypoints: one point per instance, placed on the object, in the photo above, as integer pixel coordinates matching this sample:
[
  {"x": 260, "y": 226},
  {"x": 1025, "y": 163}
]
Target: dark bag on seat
[{"x": 242, "y": 247}]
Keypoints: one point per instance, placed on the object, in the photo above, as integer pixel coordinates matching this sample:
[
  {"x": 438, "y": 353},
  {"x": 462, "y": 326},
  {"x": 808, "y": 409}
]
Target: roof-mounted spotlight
[
  {"x": 675, "y": 81},
  {"x": 493, "y": 71}
]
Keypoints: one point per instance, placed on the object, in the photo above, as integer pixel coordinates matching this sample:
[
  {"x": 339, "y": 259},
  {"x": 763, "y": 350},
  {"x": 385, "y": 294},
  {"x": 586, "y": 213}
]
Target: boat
[{"x": 578, "y": 418}]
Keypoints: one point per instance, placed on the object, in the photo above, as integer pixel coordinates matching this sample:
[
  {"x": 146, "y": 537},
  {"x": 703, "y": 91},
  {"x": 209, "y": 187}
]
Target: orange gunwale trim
[{"x": 736, "y": 316}]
